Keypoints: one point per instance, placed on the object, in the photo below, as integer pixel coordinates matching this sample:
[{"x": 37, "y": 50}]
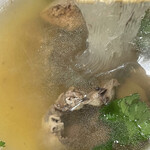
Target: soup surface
[{"x": 24, "y": 96}]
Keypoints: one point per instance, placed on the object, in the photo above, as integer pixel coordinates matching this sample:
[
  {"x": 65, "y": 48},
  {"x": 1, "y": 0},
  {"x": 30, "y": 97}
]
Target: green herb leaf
[
  {"x": 107, "y": 146},
  {"x": 2, "y": 144},
  {"x": 129, "y": 119}
]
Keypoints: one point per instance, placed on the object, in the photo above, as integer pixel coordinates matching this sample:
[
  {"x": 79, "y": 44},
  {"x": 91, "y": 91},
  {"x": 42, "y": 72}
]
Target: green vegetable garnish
[
  {"x": 107, "y": 146},
  {"x": 129, "y": 119},
  {"x": 2, "y": 144}
]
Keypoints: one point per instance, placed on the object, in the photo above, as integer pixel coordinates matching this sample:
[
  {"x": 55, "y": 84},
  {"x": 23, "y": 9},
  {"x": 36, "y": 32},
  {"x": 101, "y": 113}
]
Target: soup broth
[{"x": 24, "y": 93}]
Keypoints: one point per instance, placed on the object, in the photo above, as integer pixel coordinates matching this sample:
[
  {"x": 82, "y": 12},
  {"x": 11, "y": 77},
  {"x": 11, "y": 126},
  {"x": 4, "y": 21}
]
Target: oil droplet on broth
[{"x": 22, "y": 104}]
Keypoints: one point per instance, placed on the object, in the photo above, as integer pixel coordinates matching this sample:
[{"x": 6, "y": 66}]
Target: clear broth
[{"x": 23, "y": 100}]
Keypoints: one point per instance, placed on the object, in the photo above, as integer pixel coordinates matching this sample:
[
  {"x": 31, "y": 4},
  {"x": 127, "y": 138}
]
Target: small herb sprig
[{"x": 2, "y": 144}]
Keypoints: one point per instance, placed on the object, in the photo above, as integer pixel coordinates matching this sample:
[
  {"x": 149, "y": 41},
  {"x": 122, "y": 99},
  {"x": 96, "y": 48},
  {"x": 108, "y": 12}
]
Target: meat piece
[
  {"x": 74, "y": 118},
  {"x": 64, "y": 14}
]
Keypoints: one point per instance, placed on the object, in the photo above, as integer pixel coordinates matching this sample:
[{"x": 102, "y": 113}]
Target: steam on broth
[{"x": 30, "y": 80}]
